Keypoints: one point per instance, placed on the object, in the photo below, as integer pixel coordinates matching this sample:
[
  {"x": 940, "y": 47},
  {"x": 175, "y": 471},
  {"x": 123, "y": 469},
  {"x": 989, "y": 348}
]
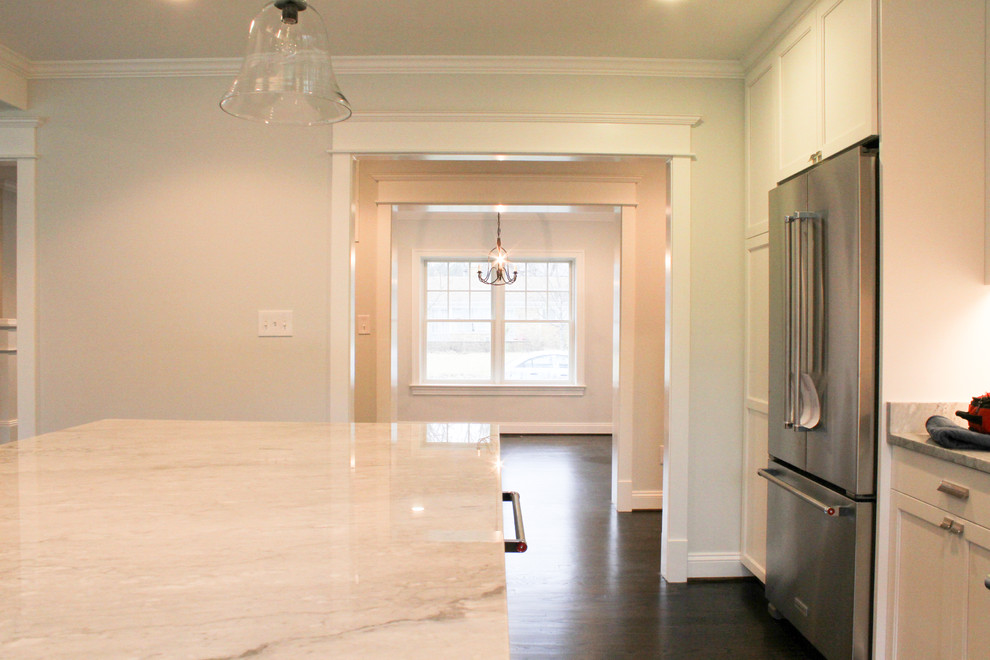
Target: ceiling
[{"x": 60, "y": 30}]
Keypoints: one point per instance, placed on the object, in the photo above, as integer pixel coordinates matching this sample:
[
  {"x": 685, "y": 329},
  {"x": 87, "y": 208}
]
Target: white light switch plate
[
  {"x": 364, "y": 324},
  {"x": 274, "y": 322}
]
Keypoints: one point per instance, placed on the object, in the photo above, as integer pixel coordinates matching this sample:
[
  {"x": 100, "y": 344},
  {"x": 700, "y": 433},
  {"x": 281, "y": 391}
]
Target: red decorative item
[{"x": 978, "y": 415}]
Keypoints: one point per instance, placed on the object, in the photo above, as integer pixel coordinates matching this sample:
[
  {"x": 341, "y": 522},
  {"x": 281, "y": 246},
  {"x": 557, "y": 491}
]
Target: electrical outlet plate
[{"x": 274, "y": 322}]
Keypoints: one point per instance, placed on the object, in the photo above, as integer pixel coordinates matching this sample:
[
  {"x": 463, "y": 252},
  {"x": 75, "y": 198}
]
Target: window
[{"x": 519, "y": 333}]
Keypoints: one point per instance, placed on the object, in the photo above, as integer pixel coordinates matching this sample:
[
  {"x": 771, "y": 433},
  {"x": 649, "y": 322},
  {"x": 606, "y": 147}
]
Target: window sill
[{"x": 543, "y": 389}]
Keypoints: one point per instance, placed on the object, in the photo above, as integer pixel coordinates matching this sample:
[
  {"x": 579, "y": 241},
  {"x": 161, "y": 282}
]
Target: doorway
[
  {"x": 635, "y": 192},
  {"x": 8, "y": 302},
  {"x": 553, "y": 138}
]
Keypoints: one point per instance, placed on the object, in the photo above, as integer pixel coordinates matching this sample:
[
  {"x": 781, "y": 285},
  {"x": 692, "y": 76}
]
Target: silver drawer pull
[
  {"x": 986, "y": 582},
  {"x": 954, "y": 490},
  {"x": 517, "y": 544},
  {"x": 952, "y": 526},
  {"x": 818, "y": 504}
]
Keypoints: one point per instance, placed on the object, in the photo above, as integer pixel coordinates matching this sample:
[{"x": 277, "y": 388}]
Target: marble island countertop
[
  {"x": 140, "y": 539},
  {"x": 906, "y": 423}
]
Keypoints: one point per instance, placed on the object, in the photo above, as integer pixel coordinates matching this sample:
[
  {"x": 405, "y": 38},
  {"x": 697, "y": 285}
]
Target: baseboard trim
[
  {"x": 716, "y": 565},
  {"x": 647, "y": 500},
  {"x": 754, "y": 567},
  {"x": 536, "y": 428}
]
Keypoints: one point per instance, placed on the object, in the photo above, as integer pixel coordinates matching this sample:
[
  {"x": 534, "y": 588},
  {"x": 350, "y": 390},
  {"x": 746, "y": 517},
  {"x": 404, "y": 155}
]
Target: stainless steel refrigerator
[{"x": 823, "y": 402}]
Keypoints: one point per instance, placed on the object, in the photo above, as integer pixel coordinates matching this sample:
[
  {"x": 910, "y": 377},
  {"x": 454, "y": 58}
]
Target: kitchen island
[{"x": 140, "y": 539}]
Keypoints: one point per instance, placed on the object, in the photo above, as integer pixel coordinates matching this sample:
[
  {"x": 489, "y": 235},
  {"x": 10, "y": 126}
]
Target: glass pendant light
[
  {"x": 498, "y": 262},
  {"x": 287, "y": 76}
]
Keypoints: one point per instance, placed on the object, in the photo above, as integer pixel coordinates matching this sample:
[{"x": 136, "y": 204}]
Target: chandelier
[{"x": 498, "y": 262}]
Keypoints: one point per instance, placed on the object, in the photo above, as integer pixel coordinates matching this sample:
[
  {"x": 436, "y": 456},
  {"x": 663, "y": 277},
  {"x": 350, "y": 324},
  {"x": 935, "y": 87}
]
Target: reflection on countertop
[{"x": 234, "y": 539}]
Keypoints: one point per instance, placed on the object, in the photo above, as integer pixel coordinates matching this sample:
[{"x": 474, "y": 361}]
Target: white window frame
[{"x": 420, "y": 386}]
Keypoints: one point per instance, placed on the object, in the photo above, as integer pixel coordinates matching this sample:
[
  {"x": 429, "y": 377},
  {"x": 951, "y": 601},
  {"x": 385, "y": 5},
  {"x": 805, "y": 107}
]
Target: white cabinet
[
  {"x": 826, "y": 68},
  {"x": 761, "y": 144},
  {"x": 847, "y": 30},
  {"x": 754, "y": 513},
  {"x": 799, "y": 105},
  {"x": 940, "y": 560}
]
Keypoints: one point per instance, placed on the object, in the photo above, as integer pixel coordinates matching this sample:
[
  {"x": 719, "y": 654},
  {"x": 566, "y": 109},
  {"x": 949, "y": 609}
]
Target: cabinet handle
[
  {"x": 518, "y": 544},
  {"x": 952, "y": 526},
  {"x": 986, "y": 582},
  {"x": 954, "y": 490}
]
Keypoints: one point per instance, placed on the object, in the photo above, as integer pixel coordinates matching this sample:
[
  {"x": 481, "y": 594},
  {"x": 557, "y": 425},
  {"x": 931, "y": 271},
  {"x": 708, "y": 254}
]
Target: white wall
[
  {"x": 596, "y": 240},
  {"x": 936, "y": 307},
  {"x": 935, "y": 313},
  {"x": 164, "y": 225}
]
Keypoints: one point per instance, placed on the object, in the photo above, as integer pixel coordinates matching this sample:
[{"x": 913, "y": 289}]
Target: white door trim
[
  {"x": 411, "y": 133},
  {"x": 18, "y": 143}
]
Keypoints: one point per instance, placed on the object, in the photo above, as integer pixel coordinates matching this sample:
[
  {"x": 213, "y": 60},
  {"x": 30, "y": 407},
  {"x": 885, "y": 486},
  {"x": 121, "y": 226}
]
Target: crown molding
[
  {"x": 411, "y": 65},
  {"x": 179, "y": 68},
  {"x": 21, "y": 122},
  {"x": 524, "y": 65},
  {"x": 528, "y": 117}
]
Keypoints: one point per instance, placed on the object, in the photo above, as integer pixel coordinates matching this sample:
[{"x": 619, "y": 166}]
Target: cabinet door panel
[
  {"x": 761, "y": 94},
  {"x": 797, "y": 63},
  {"x": 921, "y": 579},
  {"x": 978, "y": 595},
  {"x": 848, "y": 79}
]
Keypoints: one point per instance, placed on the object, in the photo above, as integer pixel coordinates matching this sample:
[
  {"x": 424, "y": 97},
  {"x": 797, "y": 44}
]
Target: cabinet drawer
[{"x": 920, "y": 476}]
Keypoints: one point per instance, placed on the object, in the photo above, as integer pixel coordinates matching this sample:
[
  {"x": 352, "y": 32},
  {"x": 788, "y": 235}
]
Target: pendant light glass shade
[{"x": 287, "y": 76}]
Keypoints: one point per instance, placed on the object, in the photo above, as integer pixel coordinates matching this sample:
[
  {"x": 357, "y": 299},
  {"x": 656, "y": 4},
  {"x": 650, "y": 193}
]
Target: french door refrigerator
[{"x": 823, "y": 402}]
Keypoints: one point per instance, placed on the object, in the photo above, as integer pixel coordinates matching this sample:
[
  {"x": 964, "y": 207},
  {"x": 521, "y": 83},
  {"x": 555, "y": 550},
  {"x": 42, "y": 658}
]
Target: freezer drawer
[{"x": 820, "y": 562}]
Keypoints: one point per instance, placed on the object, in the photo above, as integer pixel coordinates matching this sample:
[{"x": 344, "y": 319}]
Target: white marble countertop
[
  {"x": 906, "y": 422},
  {"x": 151, "y": 539}
]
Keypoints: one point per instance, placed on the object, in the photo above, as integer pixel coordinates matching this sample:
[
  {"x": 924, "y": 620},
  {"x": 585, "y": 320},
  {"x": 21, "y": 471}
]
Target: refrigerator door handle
[
  {"x": 807, "y": 403},
  {"x": 792, "y": 388},
  {"x": 827, "y": 509}
]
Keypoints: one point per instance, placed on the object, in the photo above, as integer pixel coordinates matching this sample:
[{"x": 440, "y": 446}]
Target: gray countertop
[{"x": 906, "y": 423}]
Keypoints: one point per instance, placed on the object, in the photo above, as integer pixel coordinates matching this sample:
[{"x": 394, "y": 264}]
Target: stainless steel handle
[
  {"x": 827, "y": 509},
  {"x": 954, "y": 490},
  {"x": 805, "y": 301},
  {"x": 792, "y": 388},
  {"x": 517, "y": 544},
  {"x": 986, "y": 582}
]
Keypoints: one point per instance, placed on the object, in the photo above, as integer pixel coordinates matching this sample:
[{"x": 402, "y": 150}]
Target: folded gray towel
[{"x": 945, "y": 433}]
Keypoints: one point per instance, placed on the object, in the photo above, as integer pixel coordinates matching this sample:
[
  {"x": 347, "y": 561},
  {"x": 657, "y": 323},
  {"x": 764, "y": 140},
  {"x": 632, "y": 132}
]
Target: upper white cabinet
[
  {"x": 826, "y": 70},
  {"x": 799, "y": 102},
  {"x": 847, "y": 30},
  {"x": 761, "y": 144}
]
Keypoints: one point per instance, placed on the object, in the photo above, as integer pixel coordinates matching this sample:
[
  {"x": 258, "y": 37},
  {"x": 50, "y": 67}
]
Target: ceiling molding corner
[
  {"x": 766, "y": 41},
  {"x": 14, "y": 61}
]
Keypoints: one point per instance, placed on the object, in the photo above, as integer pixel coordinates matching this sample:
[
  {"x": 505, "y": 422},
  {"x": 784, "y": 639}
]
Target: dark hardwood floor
[{"x": 589, "y": 586}]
